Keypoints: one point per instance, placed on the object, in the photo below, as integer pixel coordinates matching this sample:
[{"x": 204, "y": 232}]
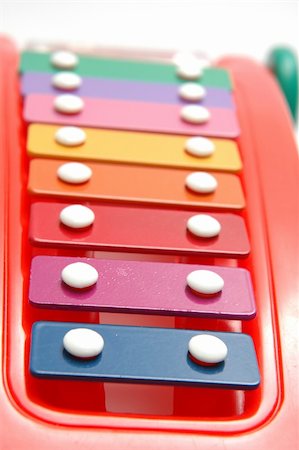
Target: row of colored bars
[{"x": 126, "y": 126}]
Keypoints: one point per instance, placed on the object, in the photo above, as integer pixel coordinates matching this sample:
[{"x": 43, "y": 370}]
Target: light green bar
[{"x": 124, "y": 69}]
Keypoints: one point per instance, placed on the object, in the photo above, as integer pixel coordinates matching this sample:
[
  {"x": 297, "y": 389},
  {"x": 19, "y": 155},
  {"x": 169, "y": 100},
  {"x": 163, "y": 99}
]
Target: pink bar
[
  {"x": 126, "y": 115},
  {"x": 141, "y": 287}
]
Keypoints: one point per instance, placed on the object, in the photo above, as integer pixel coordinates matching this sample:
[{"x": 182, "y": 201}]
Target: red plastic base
[{"x": 51, "y": 414}]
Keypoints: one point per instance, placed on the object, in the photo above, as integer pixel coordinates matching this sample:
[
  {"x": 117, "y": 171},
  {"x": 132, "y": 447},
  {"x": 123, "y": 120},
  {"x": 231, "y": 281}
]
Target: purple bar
[
  {"x": 141, "y": 287},
  {"x": 124, "y": 90}
]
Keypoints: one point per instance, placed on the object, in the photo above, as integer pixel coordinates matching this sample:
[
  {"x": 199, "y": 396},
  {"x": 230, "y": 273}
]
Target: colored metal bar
[
  {"x": 141, "y": 287},
  {"x": 133, "y": 148},
  {"x": 133, "y": 184},
  {"x": 124, "y": 69},
  {"x": 129, "y": 115},
  {"x": 34, "y": 83},
  {"x": 143, "y": 355},
  {"x": 136, "y": 229}
]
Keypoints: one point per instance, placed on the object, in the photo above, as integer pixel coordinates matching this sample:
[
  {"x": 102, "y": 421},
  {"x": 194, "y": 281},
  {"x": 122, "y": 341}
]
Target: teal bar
[{"x": 124, "y": 69}]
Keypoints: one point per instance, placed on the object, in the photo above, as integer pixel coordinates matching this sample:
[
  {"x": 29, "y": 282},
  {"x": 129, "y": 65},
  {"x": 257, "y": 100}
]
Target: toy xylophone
[{"x": 148, "y": 226}]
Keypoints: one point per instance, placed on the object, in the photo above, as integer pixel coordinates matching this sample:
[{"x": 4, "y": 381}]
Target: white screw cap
[
  {"x": 79, "y": 275},
  {"x": 68, "y": 104},
  {"x": 66, "y": 80},
  {"x": 83, "y": 343},
  {"x": 192, "y": 92},
  {"x": 199, "y": 146},
  {"x": 70, "y": 136},
  {"x": 64, "y": 59},
  {"x": 74, "y": 173},
  {"x": 77, "y": 216},
  {"x": 189, "y": 69},
  {"x": 205, "y": 282},
  {"x": 203, "y": 225},
  {"x": 195, "y": 114},
  {"x": 201, "y": 182},
  {"x": 207, "y": 348}
]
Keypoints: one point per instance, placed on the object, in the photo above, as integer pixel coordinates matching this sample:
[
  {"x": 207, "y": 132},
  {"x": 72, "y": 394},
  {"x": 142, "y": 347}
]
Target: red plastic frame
[{"x": 270, "y": 179}]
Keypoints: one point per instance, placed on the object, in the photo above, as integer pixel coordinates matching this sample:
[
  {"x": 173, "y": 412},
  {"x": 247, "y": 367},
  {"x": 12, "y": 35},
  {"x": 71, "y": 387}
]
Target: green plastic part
[
  {"x": 123, "y": 69},
  {"x": 283, "y": 63}
]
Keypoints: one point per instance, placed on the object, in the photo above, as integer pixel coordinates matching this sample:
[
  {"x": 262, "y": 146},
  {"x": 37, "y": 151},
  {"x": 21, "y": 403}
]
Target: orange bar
[
  {"x": 124, "y": 183},
  {"x": 134, "y": 148}
]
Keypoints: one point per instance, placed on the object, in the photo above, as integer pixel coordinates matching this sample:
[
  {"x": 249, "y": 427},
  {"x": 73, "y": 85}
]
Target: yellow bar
[{"x": 134, "y": 148}]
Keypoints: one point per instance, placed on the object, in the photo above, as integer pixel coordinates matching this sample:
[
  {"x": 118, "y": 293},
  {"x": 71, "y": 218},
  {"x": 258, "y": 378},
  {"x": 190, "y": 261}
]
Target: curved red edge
[{"x": 272, "y": 163}]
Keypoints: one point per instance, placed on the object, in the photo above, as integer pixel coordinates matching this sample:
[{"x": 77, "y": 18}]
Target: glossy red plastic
[{"x": 44, "y": 414}]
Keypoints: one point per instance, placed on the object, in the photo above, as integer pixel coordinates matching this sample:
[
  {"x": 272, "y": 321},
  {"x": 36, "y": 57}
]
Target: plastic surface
[
  {"x": 46, "y": 414},
  {"x": 134, "y": 148},
  {"x": 140, "y": 354},
  {"x": 141, "y": 287},
  {"x": 131, "y": 115}
]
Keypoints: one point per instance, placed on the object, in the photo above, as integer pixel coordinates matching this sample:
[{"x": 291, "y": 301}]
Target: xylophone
[{"x": 160, "y": 312}]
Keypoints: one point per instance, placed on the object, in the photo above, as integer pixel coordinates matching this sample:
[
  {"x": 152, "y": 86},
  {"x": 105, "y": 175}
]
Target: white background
[{"x": 216, "y": 27}]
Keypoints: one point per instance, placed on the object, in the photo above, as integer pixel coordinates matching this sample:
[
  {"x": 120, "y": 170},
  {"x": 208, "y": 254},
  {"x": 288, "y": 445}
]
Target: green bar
[
  {"x": 283, "y": 63},
  {"x": 123, "y": 69}
]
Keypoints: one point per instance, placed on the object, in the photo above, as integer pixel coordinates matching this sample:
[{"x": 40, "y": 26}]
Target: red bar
[{"x": 124, "y": 228}]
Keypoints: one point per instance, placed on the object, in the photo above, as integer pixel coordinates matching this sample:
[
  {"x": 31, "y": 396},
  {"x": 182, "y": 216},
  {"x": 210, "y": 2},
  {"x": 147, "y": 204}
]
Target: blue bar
[{"x": 143, "y": 355}]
